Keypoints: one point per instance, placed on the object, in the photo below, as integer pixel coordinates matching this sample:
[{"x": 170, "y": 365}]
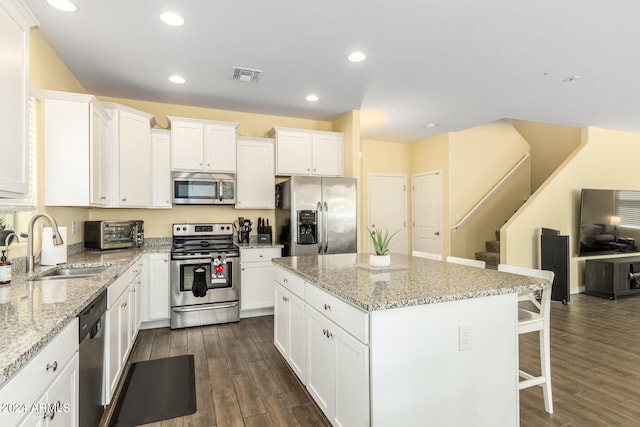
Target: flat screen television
[{"x": 609, "y": 221}]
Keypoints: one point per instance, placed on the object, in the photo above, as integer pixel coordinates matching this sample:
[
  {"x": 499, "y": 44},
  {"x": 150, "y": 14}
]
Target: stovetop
[{"x": 203, "y": 240}]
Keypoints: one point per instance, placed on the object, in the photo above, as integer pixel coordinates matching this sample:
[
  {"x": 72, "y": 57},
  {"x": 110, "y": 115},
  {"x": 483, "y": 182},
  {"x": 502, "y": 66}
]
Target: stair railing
[{"x": 491, "y": 192}]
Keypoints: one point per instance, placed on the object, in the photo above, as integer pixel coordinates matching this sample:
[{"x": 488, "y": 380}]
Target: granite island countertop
[
  {"x": 33, "y": 312},
  {"x": 406, "y": 282}
]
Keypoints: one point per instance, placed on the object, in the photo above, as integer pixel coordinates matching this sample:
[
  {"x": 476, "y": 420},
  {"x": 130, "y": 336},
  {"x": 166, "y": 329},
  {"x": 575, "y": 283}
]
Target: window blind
[{"x": 627, "y": 207}]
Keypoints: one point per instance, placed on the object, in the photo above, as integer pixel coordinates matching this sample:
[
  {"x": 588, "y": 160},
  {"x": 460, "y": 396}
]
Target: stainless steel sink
[{"x": 73, "y": 272}]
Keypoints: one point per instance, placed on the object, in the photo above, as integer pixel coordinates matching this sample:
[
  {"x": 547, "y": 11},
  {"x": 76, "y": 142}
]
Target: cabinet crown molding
[
  {"x": 115, "y": 106},
  {"x": 76, "y": 97},
  {"x": 202, "y": 121}
]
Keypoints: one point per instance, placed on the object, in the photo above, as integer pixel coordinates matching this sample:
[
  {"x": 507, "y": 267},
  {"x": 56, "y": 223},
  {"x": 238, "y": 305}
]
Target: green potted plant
[{"x": 380, "y": 243}]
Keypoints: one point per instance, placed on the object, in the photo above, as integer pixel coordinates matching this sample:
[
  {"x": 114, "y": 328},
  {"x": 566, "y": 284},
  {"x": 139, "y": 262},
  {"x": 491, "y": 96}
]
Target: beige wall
[
  {"x": 550, "y": 146},
  {"x": 350, "y": 125},
  {"x": 480, "y": 157},
  {"x": 556, "y": 203}
]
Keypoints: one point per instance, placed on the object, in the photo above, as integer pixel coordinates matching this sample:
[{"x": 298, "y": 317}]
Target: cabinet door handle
[
  {"x": 124, "y": 305},
  {"x": 285, "y": 280},
  {"x": 53, "y": 366},
  {"x": 327, "y": 307}
]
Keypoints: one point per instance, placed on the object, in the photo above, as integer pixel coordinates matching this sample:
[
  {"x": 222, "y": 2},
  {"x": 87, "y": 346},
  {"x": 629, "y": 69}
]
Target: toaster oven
[{"x": 104, "y": 235}]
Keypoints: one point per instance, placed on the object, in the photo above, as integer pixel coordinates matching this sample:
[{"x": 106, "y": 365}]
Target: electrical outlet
[
  {"x": 73, "y": 227},
  {"x": 464, "y": 338}
]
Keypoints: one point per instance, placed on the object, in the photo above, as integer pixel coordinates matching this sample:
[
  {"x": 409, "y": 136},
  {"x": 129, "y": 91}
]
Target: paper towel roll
[{"x": 53, "y": 255}]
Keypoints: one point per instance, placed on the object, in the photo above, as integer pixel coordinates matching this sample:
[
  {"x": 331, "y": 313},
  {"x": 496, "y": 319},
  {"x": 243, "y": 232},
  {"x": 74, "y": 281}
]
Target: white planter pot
[{"x": 379, "y": 260}]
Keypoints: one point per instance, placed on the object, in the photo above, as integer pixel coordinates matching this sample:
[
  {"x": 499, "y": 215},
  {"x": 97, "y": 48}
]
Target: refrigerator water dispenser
[{"x": 307, "y": 227}]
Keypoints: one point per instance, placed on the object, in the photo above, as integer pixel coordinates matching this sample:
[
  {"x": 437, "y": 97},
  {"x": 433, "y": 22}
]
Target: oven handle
[
  {"x": 205, "y": 259},
  {"x": 206, "y": 307}
]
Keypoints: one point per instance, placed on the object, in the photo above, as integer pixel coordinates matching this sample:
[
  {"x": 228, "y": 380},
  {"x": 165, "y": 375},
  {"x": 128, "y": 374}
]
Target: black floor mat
[{"x": 156, "y": 390}]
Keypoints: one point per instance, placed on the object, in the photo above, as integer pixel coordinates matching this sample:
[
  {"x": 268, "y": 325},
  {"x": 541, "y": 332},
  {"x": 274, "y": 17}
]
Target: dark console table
[{"x": 612, "y": 277}]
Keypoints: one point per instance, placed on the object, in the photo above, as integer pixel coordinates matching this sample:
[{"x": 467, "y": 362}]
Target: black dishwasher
[{"x": 91, "y": 355}]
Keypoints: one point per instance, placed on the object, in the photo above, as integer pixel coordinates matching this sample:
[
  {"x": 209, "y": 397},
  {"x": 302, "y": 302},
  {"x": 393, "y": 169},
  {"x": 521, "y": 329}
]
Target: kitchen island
[{"x": 421, "y": 342}]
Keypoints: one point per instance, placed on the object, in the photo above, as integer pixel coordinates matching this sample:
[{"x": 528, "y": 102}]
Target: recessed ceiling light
[
  {"x": 572, "y": 78},
  {"x": 63, "y": 5},
  {"x": 432, "y": 125},
  {"x": 312, "y": 98},
  {"x": 357, "y": 57},
  {"x": 177, "y": 79},
  {"x": 172, "y": 19}
]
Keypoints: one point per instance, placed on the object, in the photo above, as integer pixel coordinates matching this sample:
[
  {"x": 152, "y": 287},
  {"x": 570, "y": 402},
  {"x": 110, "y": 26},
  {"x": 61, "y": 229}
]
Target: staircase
[{"x": 491, "y": 256}]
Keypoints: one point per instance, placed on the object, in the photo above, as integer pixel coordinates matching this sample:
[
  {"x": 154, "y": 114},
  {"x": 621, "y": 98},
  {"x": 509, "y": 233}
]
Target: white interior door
[
  {"x": 388, "y": 208},
  {"x": 427, "y": 212}
]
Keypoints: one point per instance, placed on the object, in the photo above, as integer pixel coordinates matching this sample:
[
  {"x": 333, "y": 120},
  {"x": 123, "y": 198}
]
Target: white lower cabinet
[
  {"x": 337, "y": 371},
  {"x": 154, "y": 294},
  {"x": 122, "y": 324},
  {"x": 256, "y": 281},
  {"x": 45, "y": 391},
  {"x": 324, "y": 341},
  {"x": 289, "y": 329},
  {"x": 117, "y": 343},
  {"x": 56, "y": 408}
]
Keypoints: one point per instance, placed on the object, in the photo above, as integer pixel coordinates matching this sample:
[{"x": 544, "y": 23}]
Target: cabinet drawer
[
  {"x": 290, "y": 281},
  {"x": 135, "y": 270},
  {"x": 351, "y": 319},
  {"x": 258, "y": 255},
  {"x": 29, "y": 384},
  {"x": 117, "y": 288}
]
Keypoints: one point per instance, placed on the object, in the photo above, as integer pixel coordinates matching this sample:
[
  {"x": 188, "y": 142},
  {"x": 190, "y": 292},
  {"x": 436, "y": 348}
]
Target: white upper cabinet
[
  {"x": 15, "y": 21},
  {"x": 220, "y": 147},
  {"x": 202, "y": 145},
  {"x": 255, "y": 175},
  {"x": 161, "y": 168},
  {"x": 130, "y": 135},
  {"x": 75, "y": 134},
  {"x": 308, "y": 152}
]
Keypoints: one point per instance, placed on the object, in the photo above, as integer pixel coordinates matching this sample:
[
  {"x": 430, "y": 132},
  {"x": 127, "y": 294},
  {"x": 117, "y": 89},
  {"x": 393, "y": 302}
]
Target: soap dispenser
[{"x": 5, "y": 268}]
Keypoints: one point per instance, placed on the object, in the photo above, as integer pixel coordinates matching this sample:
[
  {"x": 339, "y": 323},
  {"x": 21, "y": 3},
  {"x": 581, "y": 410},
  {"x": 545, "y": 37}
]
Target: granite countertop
[
  {"x": 406, "y": 282},
  {"x": 33, "y": 312}
]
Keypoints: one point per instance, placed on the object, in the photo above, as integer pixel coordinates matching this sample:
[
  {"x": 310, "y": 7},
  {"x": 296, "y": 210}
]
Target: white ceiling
[{"x": 458, "y": 63}]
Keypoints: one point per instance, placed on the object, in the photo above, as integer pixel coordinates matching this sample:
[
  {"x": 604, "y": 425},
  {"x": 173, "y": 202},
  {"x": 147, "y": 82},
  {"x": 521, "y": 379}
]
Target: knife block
[{"x": 265, "y": 236}]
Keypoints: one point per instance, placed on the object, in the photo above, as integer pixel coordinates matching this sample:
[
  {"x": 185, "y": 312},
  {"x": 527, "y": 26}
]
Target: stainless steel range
[{"x": 205, "y": 286}]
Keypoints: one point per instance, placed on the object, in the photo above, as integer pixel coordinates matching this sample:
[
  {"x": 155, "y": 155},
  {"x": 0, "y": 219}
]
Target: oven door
[{"x": 221, "y": 287}]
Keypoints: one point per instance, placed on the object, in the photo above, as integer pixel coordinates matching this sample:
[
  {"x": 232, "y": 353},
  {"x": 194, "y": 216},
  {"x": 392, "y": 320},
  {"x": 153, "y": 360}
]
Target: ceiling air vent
[{"x": 246, "y": 74}]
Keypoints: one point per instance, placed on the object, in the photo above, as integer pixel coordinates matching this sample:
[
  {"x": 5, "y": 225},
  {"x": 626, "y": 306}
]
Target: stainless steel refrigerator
[{"x": 316, "y": 215}]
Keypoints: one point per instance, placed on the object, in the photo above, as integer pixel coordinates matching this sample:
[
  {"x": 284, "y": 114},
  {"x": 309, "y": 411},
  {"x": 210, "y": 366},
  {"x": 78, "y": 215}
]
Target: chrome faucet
[{"x": 57, "y": 238}]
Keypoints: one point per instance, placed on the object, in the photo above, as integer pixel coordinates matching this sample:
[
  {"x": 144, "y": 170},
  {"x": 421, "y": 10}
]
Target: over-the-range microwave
[{"x": 200, "y": 188}]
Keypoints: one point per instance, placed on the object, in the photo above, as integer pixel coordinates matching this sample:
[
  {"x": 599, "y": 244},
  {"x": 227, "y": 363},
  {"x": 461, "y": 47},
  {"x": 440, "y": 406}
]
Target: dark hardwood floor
[
  {"x": 241, "y": 379},
  {"x": 595, "y": 365}
]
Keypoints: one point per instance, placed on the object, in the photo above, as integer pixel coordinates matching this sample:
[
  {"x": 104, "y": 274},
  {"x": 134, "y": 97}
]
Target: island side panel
[{"x": 419, "y": 375}]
